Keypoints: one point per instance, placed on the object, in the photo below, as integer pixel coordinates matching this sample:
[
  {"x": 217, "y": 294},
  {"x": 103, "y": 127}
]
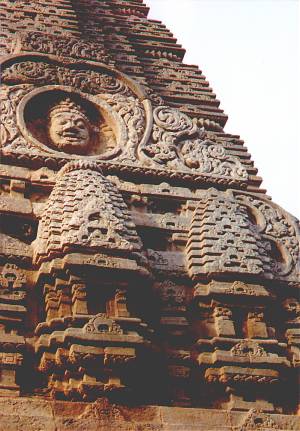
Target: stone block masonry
[{"x": 147, "y": 282}]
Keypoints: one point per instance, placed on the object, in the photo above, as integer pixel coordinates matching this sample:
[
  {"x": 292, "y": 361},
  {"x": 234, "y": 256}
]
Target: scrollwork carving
[
  {"x": 172, "y": 124},
  {"x": 121, "y": 118},
  {"x": 89, "y": 81},
  {"x": 59, "y": 45},
  {"x": 178, "y": 142},
  {"x": 208, "y": 157},
  {"x": 101, "y": 323},
  {"x": 248, "y": 348},
  {"x": 10, "y": 98},
  {"x": 276, "y": 226},
  {"x": 30, "y": 72},
  {"x": 133, "y": 115},
  {"x": 161, "y": 153}
]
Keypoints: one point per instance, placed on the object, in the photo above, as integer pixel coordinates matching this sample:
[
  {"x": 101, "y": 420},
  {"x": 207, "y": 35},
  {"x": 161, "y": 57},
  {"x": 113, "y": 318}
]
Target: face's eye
[
  {"x": 80, "y": 124},
  {"x": 61, "y": 121}
]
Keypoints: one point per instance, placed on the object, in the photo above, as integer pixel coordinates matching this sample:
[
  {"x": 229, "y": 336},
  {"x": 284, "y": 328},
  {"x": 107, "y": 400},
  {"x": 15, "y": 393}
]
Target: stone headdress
[{"x": 67, "y": 105}]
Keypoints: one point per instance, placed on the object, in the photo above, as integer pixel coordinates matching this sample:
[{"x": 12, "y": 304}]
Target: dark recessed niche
[
  {"x": 154, "y": 238},
  {"x": 18, "y": 227}
]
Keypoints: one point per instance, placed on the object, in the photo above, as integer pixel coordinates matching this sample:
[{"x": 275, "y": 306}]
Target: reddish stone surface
[
  {"x": 44, "y": 415},
  {"x": 146, "y": 280}
]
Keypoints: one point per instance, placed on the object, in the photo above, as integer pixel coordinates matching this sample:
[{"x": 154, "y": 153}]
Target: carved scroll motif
[
  {"x": 132, "y": 113},
  {"x": 278, "y": 227},
  {"x": 179, "y": 142},
  {"x": 60, "y": 45},
  {"x": 90, "y": 81},
  {"x": 10, "y": 98}
]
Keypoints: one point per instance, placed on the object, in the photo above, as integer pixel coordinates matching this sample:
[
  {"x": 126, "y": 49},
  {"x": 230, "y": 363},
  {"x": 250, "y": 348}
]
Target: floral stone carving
[
  {"x": 59, "y": 45},
  {"x": 179, "y": 142}
]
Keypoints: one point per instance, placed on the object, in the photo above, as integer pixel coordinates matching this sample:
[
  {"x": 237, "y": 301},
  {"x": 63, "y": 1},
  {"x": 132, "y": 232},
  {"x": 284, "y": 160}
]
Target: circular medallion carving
[{"x": 61, "y": 120}]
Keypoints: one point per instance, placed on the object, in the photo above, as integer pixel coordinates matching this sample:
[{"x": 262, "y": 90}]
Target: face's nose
[
  {"x": 70, "y": 127},
  {"x": 69, "y": 124}
]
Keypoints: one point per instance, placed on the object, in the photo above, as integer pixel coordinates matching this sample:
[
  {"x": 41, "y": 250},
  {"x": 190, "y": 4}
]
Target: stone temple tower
[{"x": 147, "y": 282}]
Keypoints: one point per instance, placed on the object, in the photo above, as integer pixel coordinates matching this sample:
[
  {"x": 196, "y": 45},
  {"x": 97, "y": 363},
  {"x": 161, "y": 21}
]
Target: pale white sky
[{"x": 249, "y": 50}]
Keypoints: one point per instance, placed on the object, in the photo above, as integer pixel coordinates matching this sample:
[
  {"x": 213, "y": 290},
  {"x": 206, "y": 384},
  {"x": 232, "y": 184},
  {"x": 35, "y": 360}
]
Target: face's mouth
[{"x": 71, "y": 136}]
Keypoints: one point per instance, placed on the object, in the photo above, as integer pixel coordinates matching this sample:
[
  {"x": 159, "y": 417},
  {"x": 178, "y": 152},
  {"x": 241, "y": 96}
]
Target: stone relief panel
[
  {"x": 69, "y": 123},
  {"x": 62, "y": 46},
  {"x": 179, "y": 142},
  {"x": 44, "y": 96},
  {"x": 173, "y": 297},
  {"x": 12, "y": 297},
  {"x": 35, "y": 115}
]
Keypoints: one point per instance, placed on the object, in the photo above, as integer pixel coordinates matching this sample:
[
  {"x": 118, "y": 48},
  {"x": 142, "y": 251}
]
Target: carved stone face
[{"x": 69, "y": 131}]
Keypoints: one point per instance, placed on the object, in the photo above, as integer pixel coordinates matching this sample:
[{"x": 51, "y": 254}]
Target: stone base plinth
[{"x": 36, "y": 414}]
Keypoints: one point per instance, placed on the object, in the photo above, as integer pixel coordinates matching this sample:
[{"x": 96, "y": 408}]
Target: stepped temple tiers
[{"x": 147, "y": 282}]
